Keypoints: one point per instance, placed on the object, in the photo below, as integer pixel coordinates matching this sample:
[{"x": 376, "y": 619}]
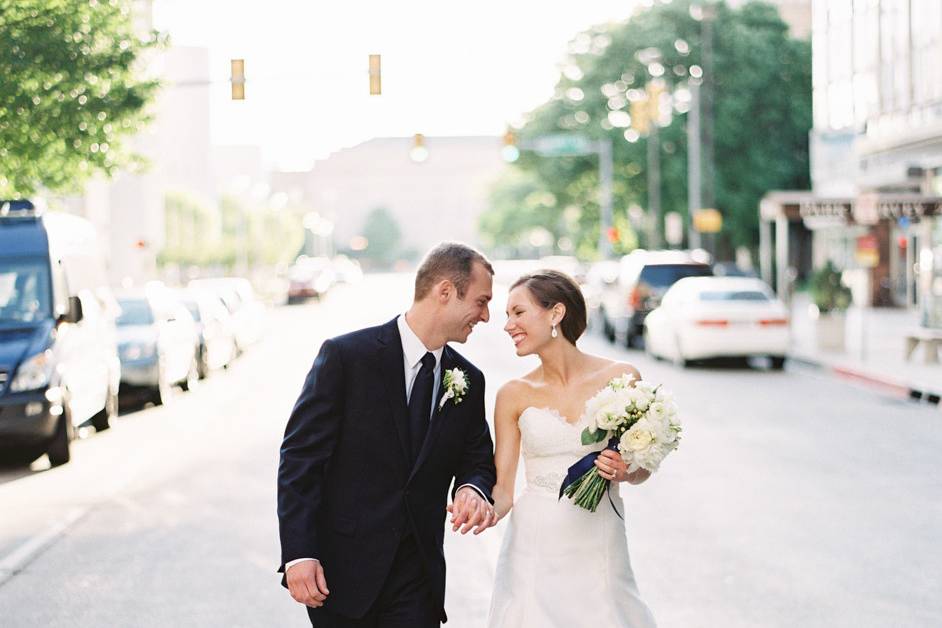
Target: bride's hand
[{"x": 611, "y": 466}]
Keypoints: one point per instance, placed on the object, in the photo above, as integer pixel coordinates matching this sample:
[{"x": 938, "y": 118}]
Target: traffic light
[
  {"x": 510, "y": 152},
  {"x": 237, "y": 78},
  {"x": 376, "y": 82},
  {"x": 419, "y": 152}
]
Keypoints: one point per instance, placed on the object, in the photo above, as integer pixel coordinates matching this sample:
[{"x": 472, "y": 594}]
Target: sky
[{"x": 448, "y": 68}]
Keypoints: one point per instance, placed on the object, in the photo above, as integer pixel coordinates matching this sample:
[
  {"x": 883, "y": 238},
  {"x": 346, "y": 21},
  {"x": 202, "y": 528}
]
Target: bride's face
[{"x": 528, "y": 323}]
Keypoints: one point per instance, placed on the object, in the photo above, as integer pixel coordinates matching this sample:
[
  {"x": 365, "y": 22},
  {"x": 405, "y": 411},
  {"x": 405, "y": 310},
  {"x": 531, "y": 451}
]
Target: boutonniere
[{"x": 456, "y": 385}]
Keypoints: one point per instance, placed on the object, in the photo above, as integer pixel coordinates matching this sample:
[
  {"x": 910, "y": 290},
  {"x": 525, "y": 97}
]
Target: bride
[{"x": 560, "y": 565}]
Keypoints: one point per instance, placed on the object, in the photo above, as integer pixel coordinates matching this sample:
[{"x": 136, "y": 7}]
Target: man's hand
[
  {"x": 307, "y": 583},
  {"x": 471, "y": 511}
]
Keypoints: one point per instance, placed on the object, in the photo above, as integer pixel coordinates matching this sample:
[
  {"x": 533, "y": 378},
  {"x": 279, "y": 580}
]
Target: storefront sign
[{"x": 867, "y": 252}]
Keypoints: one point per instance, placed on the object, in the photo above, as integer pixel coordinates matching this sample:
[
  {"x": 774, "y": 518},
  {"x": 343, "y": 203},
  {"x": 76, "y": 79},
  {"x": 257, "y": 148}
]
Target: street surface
[{"x": 794, "y": 499}]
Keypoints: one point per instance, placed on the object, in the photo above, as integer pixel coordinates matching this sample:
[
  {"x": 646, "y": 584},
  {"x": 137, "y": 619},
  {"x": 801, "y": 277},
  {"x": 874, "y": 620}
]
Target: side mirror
[{"x": 75, "y": 314}]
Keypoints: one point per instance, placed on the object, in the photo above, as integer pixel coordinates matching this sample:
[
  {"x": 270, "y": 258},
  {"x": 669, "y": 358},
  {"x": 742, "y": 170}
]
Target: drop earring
[{"x": 554, "y": 333}]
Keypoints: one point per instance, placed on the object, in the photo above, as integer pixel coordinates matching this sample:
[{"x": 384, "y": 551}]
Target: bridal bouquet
[{"x": 640, "y": 422}]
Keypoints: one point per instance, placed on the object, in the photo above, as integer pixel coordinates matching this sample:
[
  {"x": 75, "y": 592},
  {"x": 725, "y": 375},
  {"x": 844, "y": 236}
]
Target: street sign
[
  {"x": 562, "y": 145},
  {"x": 707, "y": 220},
  {"x": 867, "y": 252},
  {"x": 673, "y": 228}
]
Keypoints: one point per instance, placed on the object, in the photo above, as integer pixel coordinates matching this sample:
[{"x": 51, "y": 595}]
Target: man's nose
[{"x": 486, "y": 315}]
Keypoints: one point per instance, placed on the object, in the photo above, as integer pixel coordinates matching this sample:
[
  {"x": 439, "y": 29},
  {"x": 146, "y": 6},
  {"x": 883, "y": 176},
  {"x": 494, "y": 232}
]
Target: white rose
[
  {"x": 458, "y": 380},
  {"x": 658, "y": 411},
  {"x": 638, "y": 437},
  {"x": 611, "y": 415}
]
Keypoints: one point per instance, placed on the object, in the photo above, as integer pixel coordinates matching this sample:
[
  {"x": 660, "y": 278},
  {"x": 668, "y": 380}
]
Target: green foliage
[
  {"x": 762, "y": 114},
  {"x": 383, "y": 237},
  {"x": 828, "y": 291},
  {"x": 70, "y": 94},
  {"x": 197, "y": 235}
]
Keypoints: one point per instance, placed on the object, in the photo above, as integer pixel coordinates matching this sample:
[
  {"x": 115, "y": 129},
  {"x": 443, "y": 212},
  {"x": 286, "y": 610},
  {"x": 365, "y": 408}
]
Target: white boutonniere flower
[{"x": 456, "y": 386}]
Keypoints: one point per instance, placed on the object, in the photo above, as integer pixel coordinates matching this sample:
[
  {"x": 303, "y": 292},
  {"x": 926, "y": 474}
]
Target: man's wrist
[{"x": 292, "y": 563}]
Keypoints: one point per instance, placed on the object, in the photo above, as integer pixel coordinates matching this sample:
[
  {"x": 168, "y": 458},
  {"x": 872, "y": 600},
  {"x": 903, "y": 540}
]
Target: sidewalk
[{"x": 874, "y": 351}]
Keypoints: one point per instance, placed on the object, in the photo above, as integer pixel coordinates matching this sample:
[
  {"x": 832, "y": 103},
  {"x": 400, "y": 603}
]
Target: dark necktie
[{"x": 420, "y": 403}]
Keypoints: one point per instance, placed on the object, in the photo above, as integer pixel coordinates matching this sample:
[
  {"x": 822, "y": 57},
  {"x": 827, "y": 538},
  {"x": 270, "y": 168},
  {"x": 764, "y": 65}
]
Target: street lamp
[{"x": 418, "y": 153}]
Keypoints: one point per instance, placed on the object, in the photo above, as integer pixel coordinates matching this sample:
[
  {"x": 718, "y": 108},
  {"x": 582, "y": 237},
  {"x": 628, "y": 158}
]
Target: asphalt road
[{"x": 794, "y": 500}]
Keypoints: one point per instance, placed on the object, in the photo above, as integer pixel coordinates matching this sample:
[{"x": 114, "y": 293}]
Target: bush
[{"x": 828, "y": 291}]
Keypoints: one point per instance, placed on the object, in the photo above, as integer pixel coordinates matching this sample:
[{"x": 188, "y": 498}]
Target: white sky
[{"x": 449, "y": 68}]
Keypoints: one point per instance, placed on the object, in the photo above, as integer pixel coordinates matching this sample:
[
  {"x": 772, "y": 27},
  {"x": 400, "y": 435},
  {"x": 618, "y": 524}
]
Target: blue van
[{"x": 59, "y": 366}]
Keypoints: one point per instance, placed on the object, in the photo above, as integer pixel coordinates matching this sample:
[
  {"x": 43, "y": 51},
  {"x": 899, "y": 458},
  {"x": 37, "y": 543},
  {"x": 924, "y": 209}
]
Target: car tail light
[
  {"x": 773, "y": 322},
  {"x": 634, "y": 299},
  {"x": 713, "y": 322}
]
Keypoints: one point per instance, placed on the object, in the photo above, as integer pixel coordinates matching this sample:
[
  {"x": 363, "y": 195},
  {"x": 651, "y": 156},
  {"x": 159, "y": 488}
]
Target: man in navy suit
[{"x": 375, "y": 440}]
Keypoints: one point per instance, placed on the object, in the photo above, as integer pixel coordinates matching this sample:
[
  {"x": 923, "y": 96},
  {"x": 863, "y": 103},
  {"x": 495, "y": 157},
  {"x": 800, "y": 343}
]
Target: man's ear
[{"x": 443, "y": 290}]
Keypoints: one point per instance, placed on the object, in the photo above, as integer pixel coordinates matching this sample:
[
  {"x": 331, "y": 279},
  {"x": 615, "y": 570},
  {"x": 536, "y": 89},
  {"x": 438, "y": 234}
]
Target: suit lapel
[
  {"x": 439, "y": 413},
  {"x": 390, "y": 361}
]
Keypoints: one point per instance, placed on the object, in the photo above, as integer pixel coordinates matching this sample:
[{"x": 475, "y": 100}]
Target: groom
[{"x": 373, "y": 443}]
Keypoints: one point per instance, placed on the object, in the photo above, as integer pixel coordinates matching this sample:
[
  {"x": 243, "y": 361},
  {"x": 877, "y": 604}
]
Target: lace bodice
[{"x": 550, "y": 445}]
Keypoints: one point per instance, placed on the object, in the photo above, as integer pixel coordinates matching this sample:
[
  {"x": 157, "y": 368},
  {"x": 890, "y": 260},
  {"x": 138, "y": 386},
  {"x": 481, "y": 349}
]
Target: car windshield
[
  {"x": 663, "y": 275},
  {"x": 135, "y": 312},
  {"x": 25, "y": 293},
  {"x": 733, "y": 295}
]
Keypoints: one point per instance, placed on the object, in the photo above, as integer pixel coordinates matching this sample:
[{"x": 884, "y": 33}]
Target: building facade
[
  {"x": 876, "y": 152},
  {"x": 439, "y": 198}
]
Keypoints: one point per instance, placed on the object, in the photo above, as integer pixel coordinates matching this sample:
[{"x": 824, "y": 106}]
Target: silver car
[{"x": 158, "y": 344}]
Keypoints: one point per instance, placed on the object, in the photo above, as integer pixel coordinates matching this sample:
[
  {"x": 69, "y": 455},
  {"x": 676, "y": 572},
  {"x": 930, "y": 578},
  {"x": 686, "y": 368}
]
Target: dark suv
[{"x": 643, "y": 278}]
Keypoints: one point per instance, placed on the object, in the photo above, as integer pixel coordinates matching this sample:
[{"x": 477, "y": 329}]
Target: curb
[
  {"x": 913, "y": 392},
  {"x": 17, "y": 560}
]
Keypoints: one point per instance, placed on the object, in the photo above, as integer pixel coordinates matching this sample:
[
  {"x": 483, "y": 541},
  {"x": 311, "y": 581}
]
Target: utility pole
[
  {"x": 707, "y": 99},
  {"x": 654, "y": 186},
  {"x": 604, "y": 149},
  {"x": 694, "y": 199}
]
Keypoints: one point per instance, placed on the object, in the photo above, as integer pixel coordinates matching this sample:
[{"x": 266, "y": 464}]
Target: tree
[
  {"x": 762, "y": 115},
  {"x": 383, "y": 238},
  {"x": 71, "y": 93}
]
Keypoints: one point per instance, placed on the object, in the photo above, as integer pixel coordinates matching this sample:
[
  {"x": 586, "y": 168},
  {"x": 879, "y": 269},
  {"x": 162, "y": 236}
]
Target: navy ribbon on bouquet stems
[{"x": 583, "y": 466}]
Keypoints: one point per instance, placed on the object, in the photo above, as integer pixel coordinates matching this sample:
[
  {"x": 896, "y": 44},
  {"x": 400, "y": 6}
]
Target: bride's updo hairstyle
[{"x": 550, "y": 287}]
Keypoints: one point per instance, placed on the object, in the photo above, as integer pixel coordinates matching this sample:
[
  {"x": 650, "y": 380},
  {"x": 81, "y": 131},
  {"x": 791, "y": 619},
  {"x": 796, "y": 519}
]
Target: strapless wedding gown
[{"x": 560, "y": 565}]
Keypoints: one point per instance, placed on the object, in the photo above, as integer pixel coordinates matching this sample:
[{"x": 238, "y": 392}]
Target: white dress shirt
[{"x": 413, "y": 350}]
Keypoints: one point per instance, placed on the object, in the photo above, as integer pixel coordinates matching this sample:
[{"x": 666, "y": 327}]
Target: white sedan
[{"x": 711, "y": 317}]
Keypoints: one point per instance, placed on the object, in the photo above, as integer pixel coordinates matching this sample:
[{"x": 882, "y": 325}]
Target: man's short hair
[{"x": 449, "y": 260}]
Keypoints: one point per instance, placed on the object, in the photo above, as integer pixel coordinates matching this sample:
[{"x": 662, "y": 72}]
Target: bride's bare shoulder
[
  {"x": 609, "y": 369},
  {"x": 515, "y": 391}
]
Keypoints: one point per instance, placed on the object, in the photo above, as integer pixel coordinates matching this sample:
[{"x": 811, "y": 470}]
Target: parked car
[
  {"x": 347, "y": 270},
  {"x": 59, "y": 365},
  {"x": 600, "y": 276},
  {"x": 248, "y": 313},
  {"x": 565, "y": 264},
  {"x": 214, "y": 327},
  {"x": 158, "y": 344},
  {"x": 710, "y": 317},
  {"x": 309, "y": 278},
  {"x": 643, "y": 278}
]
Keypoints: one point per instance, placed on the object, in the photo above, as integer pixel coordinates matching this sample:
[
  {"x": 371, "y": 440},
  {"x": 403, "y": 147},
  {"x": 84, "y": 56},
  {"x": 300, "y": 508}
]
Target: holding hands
[{"x": 470, "y": 511}]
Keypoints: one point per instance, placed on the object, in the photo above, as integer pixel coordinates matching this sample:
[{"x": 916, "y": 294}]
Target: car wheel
[
  {"x": 679, "y": 359},
  {"x": 203, "y": 364},
  {"x": 192, "y": 376},
  {"x": 102, "y": 420},
  {"x": 778, "y": 362},
  {"x": 608, "y": 331},
  {"x": 59, "y": 449},
  {"x": 163, "y": 394}
]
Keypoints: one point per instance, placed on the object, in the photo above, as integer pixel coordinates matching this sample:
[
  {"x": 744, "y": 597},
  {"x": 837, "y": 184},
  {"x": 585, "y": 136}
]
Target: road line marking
[{"x": 19, "y": 558}]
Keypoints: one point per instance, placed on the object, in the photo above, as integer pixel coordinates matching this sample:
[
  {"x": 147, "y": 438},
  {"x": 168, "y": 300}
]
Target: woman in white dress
[{"x": 560, "y": 565}]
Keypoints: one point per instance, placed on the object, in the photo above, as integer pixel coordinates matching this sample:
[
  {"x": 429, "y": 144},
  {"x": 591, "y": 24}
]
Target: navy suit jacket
[{"x": 347, "y": 492}]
